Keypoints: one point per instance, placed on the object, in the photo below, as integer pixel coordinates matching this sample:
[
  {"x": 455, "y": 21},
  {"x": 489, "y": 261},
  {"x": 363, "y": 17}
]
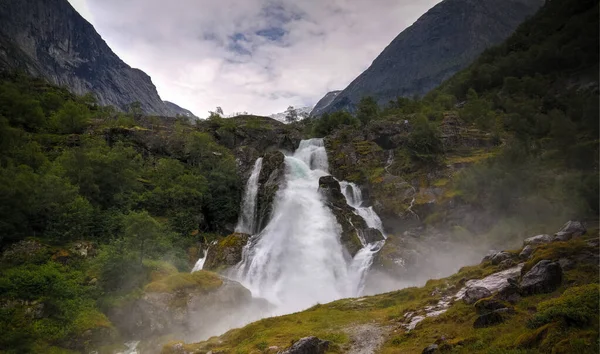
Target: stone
[
  {"x": 269, "y": 180},
  {"x": 507, "y": 263},
  {"x": 474, "y": 294},
  {"x": 500, "y": 256},
  {"x": 544, "y": 277},
  {"x": 526, "y": 252},
  {"x": 83, "y": 249},
  {"x": 430, "y": 349},
  {"x": 566, "y": 264},
  {"x": 24, "y": 251},
  {"x": 537, "y": 240},
  {"x": 510, "y": 293},
  {"x": 488, "y": 320},
  {"x": 227, "y": 252},
  {"x": 569, "y": 230},
  {"x": 308, "y": 345},
  {"x": 488, "y": 305}
]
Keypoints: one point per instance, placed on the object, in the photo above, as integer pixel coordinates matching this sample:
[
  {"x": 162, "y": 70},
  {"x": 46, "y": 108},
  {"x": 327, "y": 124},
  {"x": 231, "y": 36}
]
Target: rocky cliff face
[
  {"x": 443, "y": 41},
  {"x": 324, "y": 102},
  {"x": 50, "y": 39}
]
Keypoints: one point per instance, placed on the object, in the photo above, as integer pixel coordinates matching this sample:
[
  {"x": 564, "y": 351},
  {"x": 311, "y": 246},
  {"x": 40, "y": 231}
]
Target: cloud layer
[{"x": 258, "y": 56}]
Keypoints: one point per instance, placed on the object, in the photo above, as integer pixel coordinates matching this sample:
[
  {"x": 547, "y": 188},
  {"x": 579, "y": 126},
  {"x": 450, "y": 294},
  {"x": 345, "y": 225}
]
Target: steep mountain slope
[
  {"x": 443, "y": 41},
  {"x": 179, "y": 110},
  {"x": 50, "y": 39},
  {"x": 324, "y": 102}
]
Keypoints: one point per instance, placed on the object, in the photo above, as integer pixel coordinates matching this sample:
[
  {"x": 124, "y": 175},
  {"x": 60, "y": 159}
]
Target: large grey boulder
[
  {"x": 500, "y": 257},
  {"x": 526, "y": 252},
  {"x": 537, "y": 240},
  {"x": 569, "y": 230},
  {"x": 307, "y": 345},
  {"x": 476, "y": 293},
  {"x": 544, "y": 277}
]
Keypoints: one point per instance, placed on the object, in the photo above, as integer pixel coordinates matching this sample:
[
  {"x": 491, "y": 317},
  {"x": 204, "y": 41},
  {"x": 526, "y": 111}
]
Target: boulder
[
  {"x": 227, "y": 252},
  {"x": 537, "y": 240},
  {"x": 526, "y": 252},
  {"x": 510, "y": 293},
  {"x": 544, "y": 277},
  {"x": 430, "y": 349},
  {"x": 566, "y": 264},
  {"x": 488, "y": 319},
  {"x": 83, "y": 249},
  {"x": 308, "y": 345},
  {"x": 569, "y": 230},
  {"x": 474, "y": 294},
  {"x": 500, "y": 257},
  {"x": 25, "y": 251},
  {"x": 507, "y": 263},
  {"x": 488, "y": 305},
  {"x": 270, "y": 178}
]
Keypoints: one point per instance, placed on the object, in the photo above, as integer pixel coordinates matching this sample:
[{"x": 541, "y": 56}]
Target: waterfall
[
  {"x": 247, "y": 221},
  {"x": 354, "y": 198},
  {"x": 297, "y": 260},
  {"x": 200, "y": 262}
]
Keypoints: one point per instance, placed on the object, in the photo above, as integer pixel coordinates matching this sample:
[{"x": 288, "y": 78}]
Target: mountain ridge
[{"x": 50, "y": 39}]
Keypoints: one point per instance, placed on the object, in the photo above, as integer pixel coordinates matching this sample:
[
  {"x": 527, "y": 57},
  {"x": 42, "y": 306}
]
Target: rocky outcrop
[
  {"x": 226, "y": 253},
  {"x": 51, "y": 40},
  {"x": 569, "y": 230},
  {"x": 269, "y": 181},
  {"x": 323, "y": 103},
  {"x": 179, "y": 110},
  {"x": 476, "y": 293},
  {"x": 307, "y": 345},
  {"x": 537, "y": 240},
  {"x": 354, "y": 227},
  {"x": 544, "y": 277},
  {"x": 184, "y": 305},
  {"x": 440, "y": 43}
]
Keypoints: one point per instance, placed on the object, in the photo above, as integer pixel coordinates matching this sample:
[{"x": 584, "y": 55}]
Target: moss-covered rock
[
  {"x": 270, "y": 179},
  {"x": 226, "y": 252}
]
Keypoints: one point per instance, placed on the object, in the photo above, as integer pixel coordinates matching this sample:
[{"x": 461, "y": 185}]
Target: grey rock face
[
  {"x": 270, "y": 178},
  {"x": 544, "y": 277},
  {"x": 307, "y": 345},
  {"x": 500, "y": 257},
  {"x": 430, "y": 349},
  {"x": 323, "y": 103},
  {"x": 569, "y": 230},
  {"x": 51, "y": 40},
  {"x": 443, "y": 41}
]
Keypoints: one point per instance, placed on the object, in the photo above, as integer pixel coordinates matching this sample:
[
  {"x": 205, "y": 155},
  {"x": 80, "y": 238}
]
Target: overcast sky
[{"x": 258, "y": 56}]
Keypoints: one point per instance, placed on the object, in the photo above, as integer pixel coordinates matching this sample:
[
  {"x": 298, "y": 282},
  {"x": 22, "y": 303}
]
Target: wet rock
[
  {"x": 569, "y": 230},
  {"x": 507, "y": 263},
  {"x": 544, "y": 277},
  {"x": 488, "y": 256},
  {"x": 308, "y": 345},
  {"x": 526, "y": 252},
  {"x": 495, "y": 282},
  {"x": 500, "y": 257},
  {"x": 270, "y": 179},
  {"x": 430, "y": 349},
  {"x": 510, "y": 293},
  {"x": 488, "y": 305},
  {"x": 537, "y": 240},
  {"x": 566, "y": 264},
  {"x": 227, "y": 252},
  {"x": 353, "y": 226},
  {"x": 83, "y": 249},
  {"x": 474, "y": 294},
  {"x": 488, "y": 320}
]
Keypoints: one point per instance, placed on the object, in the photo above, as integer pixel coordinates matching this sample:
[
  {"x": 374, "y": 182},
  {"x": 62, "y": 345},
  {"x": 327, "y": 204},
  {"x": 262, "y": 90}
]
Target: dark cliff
[
  {"x": 442, "y": 42},
  {"x": 50, "y": 39}
]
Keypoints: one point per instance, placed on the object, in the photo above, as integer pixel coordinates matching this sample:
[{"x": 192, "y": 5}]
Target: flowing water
[
  {"x": 297, "y": 260},
  {"x": 247, "y": 221},
  {"x": 200, "y": 263}
]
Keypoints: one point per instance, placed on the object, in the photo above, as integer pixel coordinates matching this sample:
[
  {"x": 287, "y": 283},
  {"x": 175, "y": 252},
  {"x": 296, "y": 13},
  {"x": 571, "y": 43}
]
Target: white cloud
[{"x": 258, "y": 56}]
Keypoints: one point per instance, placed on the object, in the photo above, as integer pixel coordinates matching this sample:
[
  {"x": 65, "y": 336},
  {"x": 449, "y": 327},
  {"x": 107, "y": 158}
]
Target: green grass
[{"x": 197, "y": 281}]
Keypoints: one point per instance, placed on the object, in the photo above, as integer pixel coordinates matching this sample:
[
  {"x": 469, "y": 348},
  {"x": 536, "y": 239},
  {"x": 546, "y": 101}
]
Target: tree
[
  {"x": 135, "y": 109},
  {"x": 367, "y": 110},
  {"x": 72, "y": 118},
  {"x": 142, "y": 233},
  {"x": 291, "y": 115}
]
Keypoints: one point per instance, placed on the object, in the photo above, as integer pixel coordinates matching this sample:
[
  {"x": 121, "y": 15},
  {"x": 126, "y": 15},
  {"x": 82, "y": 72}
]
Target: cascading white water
[
  {"x": 200, "y": 263},
  {"x": 247, "y": 221},
  {"x": 298, "y": 260},
  {"x": 364, "y": 258},
  {"x": 354, "y": 198}
]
